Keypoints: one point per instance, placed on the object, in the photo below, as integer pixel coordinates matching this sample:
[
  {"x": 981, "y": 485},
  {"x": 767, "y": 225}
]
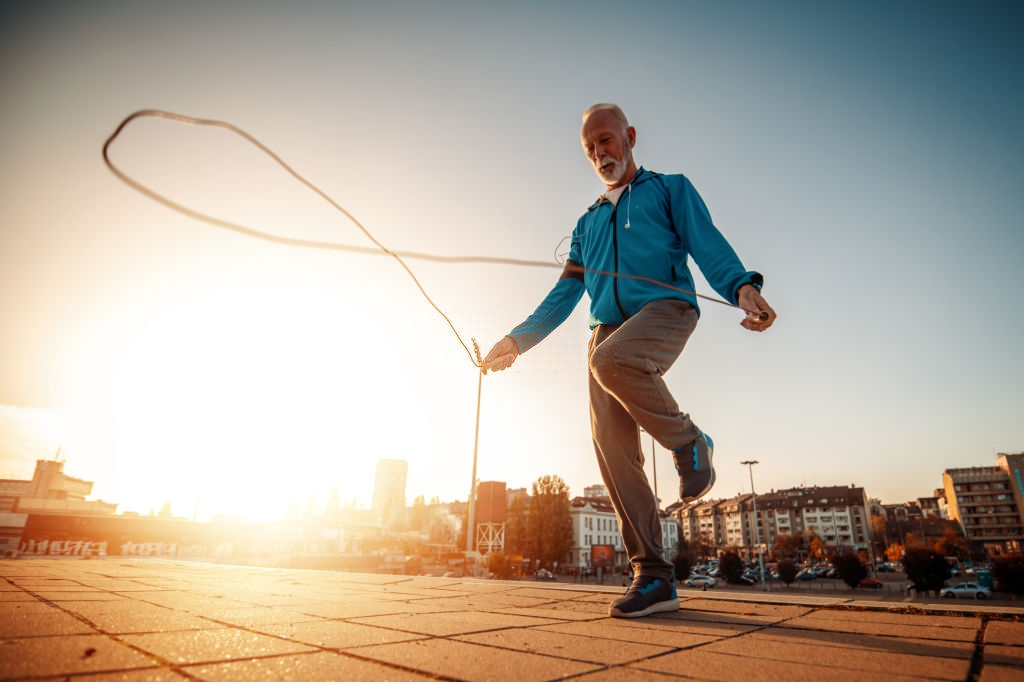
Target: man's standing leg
[{"x": 626, "y": 388}]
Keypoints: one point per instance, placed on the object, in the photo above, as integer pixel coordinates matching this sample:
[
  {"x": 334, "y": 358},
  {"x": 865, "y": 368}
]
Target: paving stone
[
  {"x": 66, "y": 655},
  {"x": 257, "y": 615},
  {"x": 332, "y": 634},
  {"x": 53, "y": 621},
  {"x": 454, "y": 623},
  {"x": 472, "y": 662},
  {"x": 562, "y": 645},
  {"x": 78, "y": 595},
  {"x": 668, "y": 633},
  {"x": 127, "y": 617},
  {"x": 626, "y": 674},
  {"x": 1005, "y": 632},
  {"x": 1001, "y": 673},
  {"x": 705, "y": 665},
  {"x": 316, "y": 666},
  {"x": 1005, "y": 655},
  {"x": 556, "y": 611},
  {"x": 358, "y": 608},
  {"x": 483, "y": 602},
  {"x": 893, "y": 624},
  {"x": 203, "y": 646},
  {"x": 871, "y": 655},
  {"x": 18, "y": 595}
]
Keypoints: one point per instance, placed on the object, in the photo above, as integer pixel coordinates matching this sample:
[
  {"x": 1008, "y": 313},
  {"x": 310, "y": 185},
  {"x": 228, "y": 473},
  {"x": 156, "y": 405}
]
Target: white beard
[{"x": 618, "y": 169}]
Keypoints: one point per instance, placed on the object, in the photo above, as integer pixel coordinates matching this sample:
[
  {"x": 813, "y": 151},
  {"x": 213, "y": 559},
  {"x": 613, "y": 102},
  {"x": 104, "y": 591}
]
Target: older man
[{"x": 629, "y": 252}]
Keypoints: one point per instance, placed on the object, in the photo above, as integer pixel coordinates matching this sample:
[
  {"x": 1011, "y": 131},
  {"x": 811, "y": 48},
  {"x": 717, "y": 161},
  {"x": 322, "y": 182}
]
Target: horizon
[{"x": 311, "y": 498}]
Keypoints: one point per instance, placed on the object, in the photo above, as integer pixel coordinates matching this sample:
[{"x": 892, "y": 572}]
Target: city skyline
[
  {"x": 866, "y": 158},
  {"x": 312, "y": 500}
]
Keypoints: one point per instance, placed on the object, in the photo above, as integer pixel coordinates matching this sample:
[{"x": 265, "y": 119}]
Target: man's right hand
[{"x": 501, "y": 356}]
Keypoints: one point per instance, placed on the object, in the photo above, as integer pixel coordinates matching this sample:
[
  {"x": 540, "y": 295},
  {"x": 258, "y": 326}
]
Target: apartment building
[
  {"x": 594, "y": 525},
  {"x": 838, "y": 515},
  {"x": 988, "y": 503}
]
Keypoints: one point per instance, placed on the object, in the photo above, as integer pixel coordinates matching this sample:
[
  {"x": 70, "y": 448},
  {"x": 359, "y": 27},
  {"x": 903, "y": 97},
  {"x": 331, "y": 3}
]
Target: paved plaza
[{"x": 159, "y": 620}]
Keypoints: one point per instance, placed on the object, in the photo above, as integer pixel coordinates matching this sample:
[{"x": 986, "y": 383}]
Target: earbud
[{"x": 629, "y": 201}]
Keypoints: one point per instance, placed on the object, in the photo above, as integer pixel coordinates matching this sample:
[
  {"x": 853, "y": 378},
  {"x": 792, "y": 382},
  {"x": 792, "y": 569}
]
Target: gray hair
[{"x": 607, "y": 106}]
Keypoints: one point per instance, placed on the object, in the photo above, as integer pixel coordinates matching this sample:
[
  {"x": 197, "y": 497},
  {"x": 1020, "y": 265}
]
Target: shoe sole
[
  {"x": 702, "y": 493},
  {"x": 711, "y": 481},
  {"x": 660, "y": 607}
]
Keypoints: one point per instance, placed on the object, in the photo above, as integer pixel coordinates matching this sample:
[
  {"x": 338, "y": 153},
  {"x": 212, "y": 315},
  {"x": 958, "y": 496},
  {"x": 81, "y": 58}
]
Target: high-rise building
[
  {"x": 389, "y": 490},
  {"x": 988, "y": 502}
]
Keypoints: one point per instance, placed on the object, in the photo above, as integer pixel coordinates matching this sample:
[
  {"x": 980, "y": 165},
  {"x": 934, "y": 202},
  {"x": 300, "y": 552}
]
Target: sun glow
[{"x": 246, "y": 400}]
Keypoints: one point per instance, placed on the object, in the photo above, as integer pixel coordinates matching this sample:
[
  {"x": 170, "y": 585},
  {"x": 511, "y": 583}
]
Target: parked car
[
  {"x": 871, "y": 582},
  {"x": 700, "y": 581},
  {"x": 544, "y": 574},
  {"x": 805, "y": 574},
  {"x": 972, "y": 590}
]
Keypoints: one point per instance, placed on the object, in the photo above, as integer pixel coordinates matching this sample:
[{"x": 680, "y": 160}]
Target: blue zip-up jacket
[{"x": 658, "y": 222}]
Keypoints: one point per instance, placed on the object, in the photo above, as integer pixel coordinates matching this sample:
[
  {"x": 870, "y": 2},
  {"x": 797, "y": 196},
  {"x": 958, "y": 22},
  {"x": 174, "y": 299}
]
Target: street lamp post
[
  {"x": 470, "y": 516},
  {"x": 757, "y": 526}
]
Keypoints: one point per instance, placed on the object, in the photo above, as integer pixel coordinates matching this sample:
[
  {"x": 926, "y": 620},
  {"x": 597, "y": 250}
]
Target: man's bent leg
[{"x": 629, "y": 363}]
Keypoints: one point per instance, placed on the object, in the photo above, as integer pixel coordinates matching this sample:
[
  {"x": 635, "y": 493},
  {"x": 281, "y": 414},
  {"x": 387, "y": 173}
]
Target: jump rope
[{"x": 377, "y": 249}]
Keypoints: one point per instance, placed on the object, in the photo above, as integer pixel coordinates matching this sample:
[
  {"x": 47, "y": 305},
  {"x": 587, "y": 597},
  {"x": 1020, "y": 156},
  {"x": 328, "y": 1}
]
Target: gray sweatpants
[{"x": 627, "y": 390}]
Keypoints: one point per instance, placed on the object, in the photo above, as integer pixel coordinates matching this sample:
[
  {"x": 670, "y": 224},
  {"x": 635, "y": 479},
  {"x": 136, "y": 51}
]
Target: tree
[
  {"x": 816, "y": 547},
  {"x": 549, "y": 526},
  {"x": 684, "y": 561},
  {"x": 878, "y": 532},
  {"x": 500, "y": 565},
  {"x": 1008, "y": 571},
  {"x": 731, "y": 566},
  {"x": 914, "y": 539},
  {"x": 895, "y": 552},
  {"x": 787, "y": 545},
  {"x": 707, "y": 544},
  {"x": 444, "y": 528},
  {"x": 787, "y": 571},
  {"x": 926, "y": 568},
  {"x": 516, "y": 526},
  {"x": 419, "y": 516},
  {"x": 850, "y": 569},
  {"x": 951, "y": 544}
]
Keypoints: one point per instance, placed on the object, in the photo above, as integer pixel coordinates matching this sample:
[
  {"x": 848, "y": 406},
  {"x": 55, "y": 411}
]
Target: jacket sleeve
[
  {"x": 711, "y": 252},
  {"x": 552, "y": 311}
]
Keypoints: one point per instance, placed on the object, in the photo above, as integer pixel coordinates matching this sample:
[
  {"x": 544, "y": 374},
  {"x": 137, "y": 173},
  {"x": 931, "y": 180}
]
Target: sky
[{"x": 867, "y": 158}]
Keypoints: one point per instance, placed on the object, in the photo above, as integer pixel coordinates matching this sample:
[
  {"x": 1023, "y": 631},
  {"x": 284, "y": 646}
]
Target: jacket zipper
[{"x": 615, "y": 248}]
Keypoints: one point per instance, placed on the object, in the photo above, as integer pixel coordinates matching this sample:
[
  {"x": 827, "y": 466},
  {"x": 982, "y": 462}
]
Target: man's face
[{"x": 609, "y": 148}]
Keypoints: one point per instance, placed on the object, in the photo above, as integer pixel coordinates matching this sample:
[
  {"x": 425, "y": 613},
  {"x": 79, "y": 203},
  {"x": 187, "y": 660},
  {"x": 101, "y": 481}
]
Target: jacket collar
[{"x": 642, "y": 175}]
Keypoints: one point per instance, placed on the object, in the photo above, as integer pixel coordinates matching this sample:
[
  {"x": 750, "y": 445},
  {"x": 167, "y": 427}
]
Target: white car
[
  {"x": 700, "y": 581},
  {"x": 972, "y": 590}
]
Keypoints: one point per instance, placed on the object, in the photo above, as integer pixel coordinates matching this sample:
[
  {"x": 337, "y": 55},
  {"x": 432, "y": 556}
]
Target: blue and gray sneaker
[
  {"x": 645, "y": 596},
  {"x": 693, "y": 464}
]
